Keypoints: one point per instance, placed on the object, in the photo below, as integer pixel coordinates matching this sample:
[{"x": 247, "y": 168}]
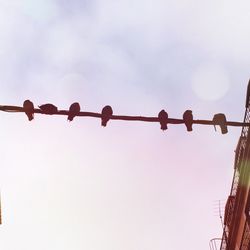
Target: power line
[{"x": 50, "y": 109}]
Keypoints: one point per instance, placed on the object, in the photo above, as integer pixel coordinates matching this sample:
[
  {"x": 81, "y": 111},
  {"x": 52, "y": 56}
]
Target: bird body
[
  {"x": 107, "y": 112},
  {"x": 29, "y": 109},
  {"x": 188, "y": 119},
  {"x": 220, "y": 119},
  {"x": 74, "y": 110},
  {"x": 48, "y": 109},
  {"x": 163, "y": 119}
]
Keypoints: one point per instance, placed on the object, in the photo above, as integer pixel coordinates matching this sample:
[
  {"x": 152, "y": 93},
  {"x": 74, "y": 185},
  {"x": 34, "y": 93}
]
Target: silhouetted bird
[
  {"x": 107, "y": 112},
  {"x": 188, "y": 119},
  {"x": 220, "y": 119},
  {"x": 163, "y": 119},
  {"x": 29, "y": 109},
  {"x": 48, "y": 109},
  {"x": 74, "y": 110}
]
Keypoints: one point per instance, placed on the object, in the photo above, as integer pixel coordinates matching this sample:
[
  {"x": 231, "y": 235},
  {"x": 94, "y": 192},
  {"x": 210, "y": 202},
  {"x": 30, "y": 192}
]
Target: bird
[
  {"x": 107, "y": 112},
  {"x": 74, "y": 110},
  {"x": 28, "y": 107},
  {"x": 163, "y": 119},
  {"x": 188, "y": 119},
  {"x": 48, "y": 109},
  {"x": 220, "y": 119}
]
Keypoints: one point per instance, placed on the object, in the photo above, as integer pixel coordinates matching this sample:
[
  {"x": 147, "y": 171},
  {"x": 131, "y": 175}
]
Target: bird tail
[
  {"x": 224, "y": 129},
  {"x": 164, "y": 126},
  {"x": 70, "y": 118},
  {"x": 30, "y": 116},
  {"x": 189, "y": 127},
  {"x": 104, "y": 122}
]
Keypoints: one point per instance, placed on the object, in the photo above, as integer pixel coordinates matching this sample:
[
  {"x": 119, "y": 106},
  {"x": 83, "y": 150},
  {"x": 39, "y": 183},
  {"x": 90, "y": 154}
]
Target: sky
[{"x": 129, "y": 186}]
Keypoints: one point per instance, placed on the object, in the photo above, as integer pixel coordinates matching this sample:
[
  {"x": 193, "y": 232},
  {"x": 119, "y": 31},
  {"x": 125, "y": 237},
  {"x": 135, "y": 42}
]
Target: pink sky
[{"x": 128, "y": 186}]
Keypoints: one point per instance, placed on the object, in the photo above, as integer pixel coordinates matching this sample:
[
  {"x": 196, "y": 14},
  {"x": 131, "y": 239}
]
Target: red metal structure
[{"x": 236, "y": 233}]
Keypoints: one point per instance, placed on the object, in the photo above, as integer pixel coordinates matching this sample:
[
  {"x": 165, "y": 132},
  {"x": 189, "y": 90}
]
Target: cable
[{"x": 50, "y": 109}]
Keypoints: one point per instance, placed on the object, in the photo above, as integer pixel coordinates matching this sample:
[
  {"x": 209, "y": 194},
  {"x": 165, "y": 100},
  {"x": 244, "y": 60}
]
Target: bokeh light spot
[
  {"x": 42, "y": 10},
  {"x": 210, "y": 82}
]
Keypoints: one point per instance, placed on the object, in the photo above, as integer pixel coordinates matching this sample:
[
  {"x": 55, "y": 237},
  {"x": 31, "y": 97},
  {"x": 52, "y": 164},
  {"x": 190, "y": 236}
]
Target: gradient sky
[{"x": 128, "y": 186}]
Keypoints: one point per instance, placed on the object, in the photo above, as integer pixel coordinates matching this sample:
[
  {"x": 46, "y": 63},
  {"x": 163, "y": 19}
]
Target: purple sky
[{"x": 129, "y": 186}]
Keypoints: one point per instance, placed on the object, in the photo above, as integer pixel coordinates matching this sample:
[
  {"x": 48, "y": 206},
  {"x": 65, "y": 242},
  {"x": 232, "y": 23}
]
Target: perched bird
[
  {"x": 74, "y": 110},
  {"x": 48, "y": 109},
  {"x": 28, "y": 107},
  {"x": 163, "y": 119},
  {"x": 220, "y": 119},
  {"x": 188, "y": 119},
  {"x": 107, "y": 112}
]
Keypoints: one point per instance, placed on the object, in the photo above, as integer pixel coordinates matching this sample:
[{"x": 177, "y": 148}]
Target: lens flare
[
  {"x": 40, "y": 10},
  {"x": 210, "y": 82}
]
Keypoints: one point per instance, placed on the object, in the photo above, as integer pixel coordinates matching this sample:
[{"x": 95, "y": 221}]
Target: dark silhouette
[
  {"x": 248, "y": 94},
  {"x": 29, "y": 109},
  {"x": 48, "y": 109},
  {"x": 220, "y": 119},
  {"x": 107, "y": 112},
  {"x": 163, "y": 119},
  {"x": 74, "y": 110},
  {"x": 188, "y": 119}
]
